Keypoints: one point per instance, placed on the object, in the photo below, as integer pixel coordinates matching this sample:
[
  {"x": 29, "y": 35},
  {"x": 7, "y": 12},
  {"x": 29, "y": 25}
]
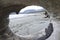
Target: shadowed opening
[{"x": 30, "y": 22}]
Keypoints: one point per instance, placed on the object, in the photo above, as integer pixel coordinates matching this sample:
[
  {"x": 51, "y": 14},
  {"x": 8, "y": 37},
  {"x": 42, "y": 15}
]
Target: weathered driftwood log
[{"x": 7, "y": 6}]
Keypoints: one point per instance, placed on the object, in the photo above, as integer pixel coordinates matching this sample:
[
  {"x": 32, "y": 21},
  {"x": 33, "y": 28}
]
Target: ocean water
[{"x": 29, "y": 25}]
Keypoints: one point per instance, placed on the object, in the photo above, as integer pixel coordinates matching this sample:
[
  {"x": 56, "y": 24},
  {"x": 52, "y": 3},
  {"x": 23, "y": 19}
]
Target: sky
[
  {"x": 26, "y": 9},
  {"x": 33, "y": 7}
]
